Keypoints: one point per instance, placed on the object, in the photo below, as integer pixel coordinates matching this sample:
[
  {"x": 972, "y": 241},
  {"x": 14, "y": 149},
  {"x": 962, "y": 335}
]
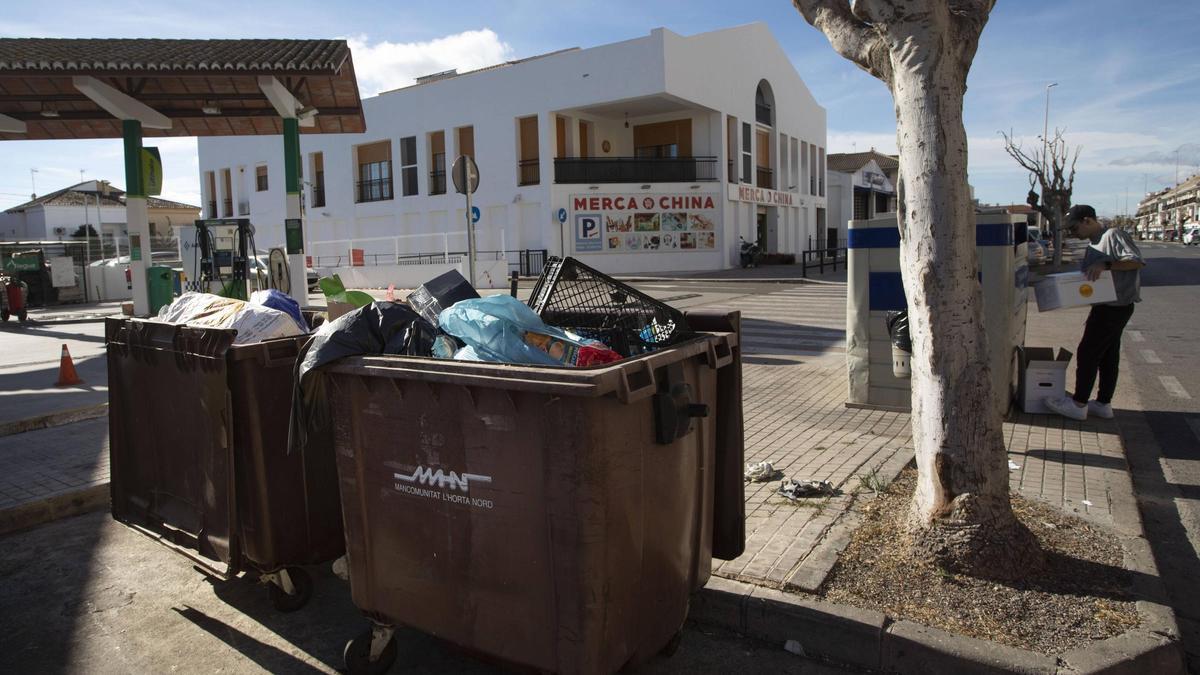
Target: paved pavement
[
  {"x": 795, "y": 387},
  {"x": 29, "y": 360}
]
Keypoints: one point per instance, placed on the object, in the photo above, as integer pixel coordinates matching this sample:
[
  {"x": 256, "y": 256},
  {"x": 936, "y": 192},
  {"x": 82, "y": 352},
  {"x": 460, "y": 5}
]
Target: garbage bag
[
  {"x": 897, "y": 327},
  {"x": 502, "y": 328},
  {"x": 253, "y": 323},
  {"x": 377, "y": 328},
  {"x": 277, "y": 299}
]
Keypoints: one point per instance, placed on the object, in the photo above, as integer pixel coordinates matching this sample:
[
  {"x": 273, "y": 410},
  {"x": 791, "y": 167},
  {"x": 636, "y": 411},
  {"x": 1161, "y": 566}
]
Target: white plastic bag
[{"x": 253, "y": 323}]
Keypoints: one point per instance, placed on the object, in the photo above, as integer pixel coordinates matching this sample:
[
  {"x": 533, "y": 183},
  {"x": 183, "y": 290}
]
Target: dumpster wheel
[
  {"x": 357, "y": 654},
  {"x": 302, "y": 588}
]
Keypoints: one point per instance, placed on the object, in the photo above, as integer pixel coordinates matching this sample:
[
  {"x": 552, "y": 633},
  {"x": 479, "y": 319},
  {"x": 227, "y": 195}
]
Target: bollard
[{"x": 512, "y": 285}]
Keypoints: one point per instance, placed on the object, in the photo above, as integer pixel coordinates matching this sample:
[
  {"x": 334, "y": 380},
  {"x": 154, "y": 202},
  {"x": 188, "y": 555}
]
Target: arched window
[{"x": 764, "y": 104}]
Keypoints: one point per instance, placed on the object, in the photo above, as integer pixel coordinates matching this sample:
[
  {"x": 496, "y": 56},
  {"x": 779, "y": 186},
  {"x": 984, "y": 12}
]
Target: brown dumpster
[
  {"x": 553, "y": 518},
  {"x": 199, "y": 453}
]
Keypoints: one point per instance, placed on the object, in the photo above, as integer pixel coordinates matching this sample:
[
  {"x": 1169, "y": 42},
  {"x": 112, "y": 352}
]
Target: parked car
[{"x": 1191, "y": 237}]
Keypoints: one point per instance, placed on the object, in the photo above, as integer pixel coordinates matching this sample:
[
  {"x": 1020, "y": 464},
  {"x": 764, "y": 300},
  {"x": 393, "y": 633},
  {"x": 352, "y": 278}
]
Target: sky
[{"x": 1127, "y": 93}]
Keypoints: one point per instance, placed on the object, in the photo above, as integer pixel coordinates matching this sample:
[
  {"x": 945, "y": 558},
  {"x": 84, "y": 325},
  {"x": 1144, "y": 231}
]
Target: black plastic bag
[
  {"x": 897, "y": 327},
  {"x": 377, "y": 328}
]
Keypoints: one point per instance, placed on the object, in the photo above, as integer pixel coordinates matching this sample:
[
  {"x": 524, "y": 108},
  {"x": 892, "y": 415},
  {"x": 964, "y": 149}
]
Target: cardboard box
[
  {"x": 335, "y": 309},
  {"x": 1072, "y": 289},
  {"x": 1042, "y": 374}
]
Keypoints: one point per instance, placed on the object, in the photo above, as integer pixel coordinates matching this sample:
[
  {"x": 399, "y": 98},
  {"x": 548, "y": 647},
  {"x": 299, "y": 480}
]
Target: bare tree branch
[{"x": 857, "y": 41}]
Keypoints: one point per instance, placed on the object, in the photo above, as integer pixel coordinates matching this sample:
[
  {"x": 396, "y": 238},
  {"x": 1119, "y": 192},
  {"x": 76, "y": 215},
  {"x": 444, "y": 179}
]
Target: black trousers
[{"x": 1100, "y": 352}]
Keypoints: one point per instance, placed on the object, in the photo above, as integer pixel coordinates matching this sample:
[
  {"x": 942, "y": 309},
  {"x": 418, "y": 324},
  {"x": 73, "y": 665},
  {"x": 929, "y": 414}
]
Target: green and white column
[
  {"x": 294, "y": 223},
  {"x": 137, "y": 222}
]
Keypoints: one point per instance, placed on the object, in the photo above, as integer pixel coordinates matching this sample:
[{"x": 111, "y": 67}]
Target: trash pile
[
  {"x": 792, "y": 489},
  {"x": 266, "y": 316}
]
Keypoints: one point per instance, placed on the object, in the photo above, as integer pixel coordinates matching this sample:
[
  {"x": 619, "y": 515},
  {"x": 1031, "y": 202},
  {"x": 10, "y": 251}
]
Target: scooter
[
  {"x": 751, "y": 254},
  {"x": 13, "y": 294}
]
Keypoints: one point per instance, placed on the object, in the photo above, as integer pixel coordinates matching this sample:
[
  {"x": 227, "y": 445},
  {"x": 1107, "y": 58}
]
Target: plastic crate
[{"x": 590, "y": 303}]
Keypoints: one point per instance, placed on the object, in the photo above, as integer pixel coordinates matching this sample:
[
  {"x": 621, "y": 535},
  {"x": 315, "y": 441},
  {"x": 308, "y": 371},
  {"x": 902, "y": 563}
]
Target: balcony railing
[
  {"x": 635, "y": 169},
  {"x": 227, "y": 208},
  {"x": 764, "y": 178},
  {"x": 318, "y": 199},
  {"x": 376, "y": 190},
  {"x": 212, "y": 209},
  {"x": 437, "y": 182},
  {"x": 529, "y": 172},
  {"x": 762, "y": 114}
]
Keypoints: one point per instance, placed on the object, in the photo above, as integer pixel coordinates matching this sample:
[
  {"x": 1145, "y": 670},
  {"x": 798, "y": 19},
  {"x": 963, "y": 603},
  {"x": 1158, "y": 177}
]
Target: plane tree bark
[{"x": 961, "y": 518}]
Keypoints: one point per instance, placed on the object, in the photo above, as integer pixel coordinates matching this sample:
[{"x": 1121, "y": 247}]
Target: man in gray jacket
[{"x": 1099, "y": 352}]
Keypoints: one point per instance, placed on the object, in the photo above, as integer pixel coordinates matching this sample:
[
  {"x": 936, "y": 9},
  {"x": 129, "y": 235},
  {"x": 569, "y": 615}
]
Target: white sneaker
[
  {"x": 1066, "y": 406},
  {"x": 1101, "y": 410}
]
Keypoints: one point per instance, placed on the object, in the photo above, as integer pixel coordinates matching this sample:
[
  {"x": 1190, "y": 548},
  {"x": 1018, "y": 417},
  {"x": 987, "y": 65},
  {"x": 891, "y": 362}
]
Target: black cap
[{"x": 1079, "y": 212}]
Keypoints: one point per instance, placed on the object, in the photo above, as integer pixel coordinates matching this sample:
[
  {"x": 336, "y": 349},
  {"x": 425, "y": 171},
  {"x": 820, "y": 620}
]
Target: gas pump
[{"x": 225, "y": 257}]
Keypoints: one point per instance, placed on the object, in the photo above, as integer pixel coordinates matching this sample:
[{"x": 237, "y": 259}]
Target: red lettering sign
[{"x": 580, "y": 203}]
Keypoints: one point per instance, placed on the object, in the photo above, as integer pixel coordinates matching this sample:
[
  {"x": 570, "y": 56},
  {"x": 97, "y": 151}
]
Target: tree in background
[
  {"x": 1048, "y": 171},
  {"x": 922, "y": 50}
]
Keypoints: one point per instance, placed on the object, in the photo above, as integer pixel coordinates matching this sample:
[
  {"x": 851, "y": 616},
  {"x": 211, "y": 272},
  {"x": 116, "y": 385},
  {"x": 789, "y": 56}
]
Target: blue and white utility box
[{"x": 875, "y": 288}]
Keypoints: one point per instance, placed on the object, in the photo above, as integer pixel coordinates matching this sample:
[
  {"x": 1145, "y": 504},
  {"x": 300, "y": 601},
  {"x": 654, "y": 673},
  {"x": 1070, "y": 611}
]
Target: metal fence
[
  {"x": 819, "y": 259},
  {"x": 525, "y": 262}
]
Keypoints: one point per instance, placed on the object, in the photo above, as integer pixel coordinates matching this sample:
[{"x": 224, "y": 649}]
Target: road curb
[
  {"x": 53, "y": 419},
  {"x": 31, "y": 514}
]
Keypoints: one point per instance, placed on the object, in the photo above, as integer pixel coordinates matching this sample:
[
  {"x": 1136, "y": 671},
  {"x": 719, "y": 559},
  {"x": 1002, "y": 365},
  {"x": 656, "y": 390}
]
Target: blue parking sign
[{"x": 588, "y": 232}]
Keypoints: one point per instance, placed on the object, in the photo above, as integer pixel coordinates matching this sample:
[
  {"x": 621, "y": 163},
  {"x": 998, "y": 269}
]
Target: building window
[
  {"x": 763, "y": 176},
  {"x": 812, "y": 170},
  {"x": 731, "y": 138},
  {"x": 795, "y": 174},
  {"x": 529, "y": 164},
  {"x": 560, "y": 136},
  {"x": 585, "y": 139},
  {"x": 210, "y": 181},
  {"x": 805, "y": 173},
  {"x": 318, "y": 185},
  {"x": 437, "y": 163},
  {"x": 747, "y": 156},
  {"x": 763, "y": 108},
  {"x": 227, "y": 196},
  {"x": 260, "y": 178},
  {"x": 408, "y": 165},
  {"x": 663, "y": 140},
  {"x": 374, "y": 172},
  {"x": 821, "y": 172}
]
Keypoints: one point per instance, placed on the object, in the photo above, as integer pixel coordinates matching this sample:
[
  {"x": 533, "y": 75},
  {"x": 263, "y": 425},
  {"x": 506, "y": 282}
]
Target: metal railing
[
  {"x": 764, "y": 177},
  {"x": 821, "y": 258},
  {"x": 762, "y": 114},
  {"x": 318, "y": 198},
  {"x": 635, "y": 169},
  {"x": 212, "y": 209},
  {"x": 377, "y": 190},
  {"x": 437, "y": 182},
  {"x": 227, "y": 208},
  {"x": 525, "y": 262},
  {"x": 529, "y": 172}
]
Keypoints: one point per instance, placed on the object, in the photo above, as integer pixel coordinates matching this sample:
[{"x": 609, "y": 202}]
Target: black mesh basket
[{"x": 576, "y": 297}]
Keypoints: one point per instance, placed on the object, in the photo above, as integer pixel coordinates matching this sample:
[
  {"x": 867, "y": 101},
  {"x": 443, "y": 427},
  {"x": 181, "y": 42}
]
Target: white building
[
  {"x": 862, "y": 185},
  {"x": 649, "y": 155},
  {"x": 61, "y": 215}
]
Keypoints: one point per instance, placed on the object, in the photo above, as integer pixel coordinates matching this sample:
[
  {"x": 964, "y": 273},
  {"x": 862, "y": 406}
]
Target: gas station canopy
[{"x": 83, "y": 88}]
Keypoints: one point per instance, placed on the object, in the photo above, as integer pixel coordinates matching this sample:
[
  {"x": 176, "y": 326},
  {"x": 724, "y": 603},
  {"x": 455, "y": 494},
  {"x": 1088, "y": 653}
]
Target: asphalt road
[
  {"x": 1160, "y": 373},
  {"x": 29, "y": 360}
]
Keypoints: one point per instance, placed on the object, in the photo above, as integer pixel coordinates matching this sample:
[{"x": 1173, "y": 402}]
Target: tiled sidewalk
[{"x": 49, "y": 463}]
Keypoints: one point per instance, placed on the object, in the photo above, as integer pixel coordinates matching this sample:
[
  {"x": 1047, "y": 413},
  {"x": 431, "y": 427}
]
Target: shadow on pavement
[
  {"x": 1148, "y": 438},
  {"x": 1077, "y": 458},
  {"x": 270, "y": 658}
]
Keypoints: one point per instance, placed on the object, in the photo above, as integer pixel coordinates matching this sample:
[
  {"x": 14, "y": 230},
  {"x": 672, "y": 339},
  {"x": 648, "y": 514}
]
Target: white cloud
[{"x": 382, "y": 66}]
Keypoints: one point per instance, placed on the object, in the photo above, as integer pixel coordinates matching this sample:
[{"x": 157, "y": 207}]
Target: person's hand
[{"x": 1093, "y": 273}]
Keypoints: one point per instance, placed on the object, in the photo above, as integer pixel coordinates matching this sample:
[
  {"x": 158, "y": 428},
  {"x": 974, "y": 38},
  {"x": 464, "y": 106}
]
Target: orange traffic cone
[{"x": 67, "y": 377}]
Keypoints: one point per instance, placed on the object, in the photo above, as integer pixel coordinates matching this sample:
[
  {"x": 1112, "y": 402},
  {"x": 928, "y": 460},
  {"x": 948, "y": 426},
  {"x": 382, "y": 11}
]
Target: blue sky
[{"x": 1128, "y": 83}]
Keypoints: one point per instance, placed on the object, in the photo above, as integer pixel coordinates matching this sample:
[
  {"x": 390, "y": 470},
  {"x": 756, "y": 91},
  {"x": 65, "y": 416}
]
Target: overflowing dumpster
[
  {"x": 554, "y": 518},
  {"x": 199, "y": 454}
]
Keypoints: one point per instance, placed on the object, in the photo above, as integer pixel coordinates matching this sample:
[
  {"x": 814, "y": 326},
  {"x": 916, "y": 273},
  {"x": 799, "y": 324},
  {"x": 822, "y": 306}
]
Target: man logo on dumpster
[{"x": 440, "y": 479}]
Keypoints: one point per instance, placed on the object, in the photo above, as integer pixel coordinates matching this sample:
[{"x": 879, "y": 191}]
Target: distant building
[
  {"x": 861, "y": 186},
  {"x": 61, "y": 215},
  {"x": 1165, "y": 214},
  {"x": 652, "y": 154}
]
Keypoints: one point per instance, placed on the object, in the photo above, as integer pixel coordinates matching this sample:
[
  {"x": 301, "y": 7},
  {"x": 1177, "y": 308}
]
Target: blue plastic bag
[
  {"x": 503, "y": 329},
  {"x": 276, "y": 299}
]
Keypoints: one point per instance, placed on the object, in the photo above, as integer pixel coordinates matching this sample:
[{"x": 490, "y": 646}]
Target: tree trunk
[{"x": 961, "y": 513}]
